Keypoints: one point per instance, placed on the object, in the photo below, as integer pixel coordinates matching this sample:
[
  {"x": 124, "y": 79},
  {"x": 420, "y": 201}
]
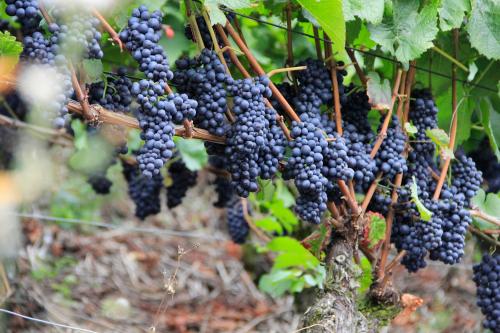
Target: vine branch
[
  {"x": 358, "y": 69},
  {"x": 112, "y": 33}
]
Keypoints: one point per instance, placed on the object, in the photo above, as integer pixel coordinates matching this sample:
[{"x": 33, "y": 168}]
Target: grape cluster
[
  {"x": 144, "y": 191},
  {"x": 205, "y": 78},
  {"x": 236, "y": 224},
  {"x": 466, "y": 178},
  {"x": 100, "y": 183},
  {"x": 26, "y": 12},
  {"x": 487, "y": 280},
  {"x": 355, "y": 108},
  {"x": 254, "y": 143},
  {"x": 77, "y": 33},
  {"x": 141, "y": 37},
  {"x": 115, "y": 94},
  {"x": 182, "y": 180},
  {"x": 486, "y": 162},
  {"x": 4, "y": 25},
  {"x": 305, "y": 165},
  {"x": 389, "y": 157},
  {"x": 223, "y": 186}
]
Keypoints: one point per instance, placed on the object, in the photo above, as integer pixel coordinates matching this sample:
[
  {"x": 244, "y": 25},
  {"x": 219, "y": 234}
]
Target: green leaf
[
  {"x": 490, "y": 120},
  {"x": 363, "y": 39},
  {"x": 93, "y": 70},
  {"x": 331, "y": 18},
  {"x": 293, "y": 259},
  {"x": 409, "y": 33},
  {"x": 378, "y": 91},
  {"x": 366, "y": 277},
  {"x": 10, "y": 47},
  {"x": 269, "y": 224},
  {"x": 80, "y": 134},
  {"x": 484, "y": 27},
  {"x": 451, "y": 13},
  {"x": 372, "y": 13},
  {"x": 489, "y": 204},
  {"x": 377, "y": 229},
  {"x": 425, "y": 214},
  {"x": 438, "y": 136},
  {"x": 410, "y": 128},
  {"x": 284, "y": 215},
  {"x": 283, "y": 194},
  {"x": 277, "y": 282},
  {"x": 217, "y": 15},
  {"x": 193, "y": 153},
  {"x": 292, "y": 246}
]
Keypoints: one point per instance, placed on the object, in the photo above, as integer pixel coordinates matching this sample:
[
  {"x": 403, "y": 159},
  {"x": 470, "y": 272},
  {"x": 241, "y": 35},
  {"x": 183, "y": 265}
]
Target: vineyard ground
[{"x": 114, "y": 280}]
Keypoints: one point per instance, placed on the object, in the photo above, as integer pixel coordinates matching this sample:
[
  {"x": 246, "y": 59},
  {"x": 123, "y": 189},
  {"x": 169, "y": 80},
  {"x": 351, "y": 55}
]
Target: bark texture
[{"x": 336, "y": 308}]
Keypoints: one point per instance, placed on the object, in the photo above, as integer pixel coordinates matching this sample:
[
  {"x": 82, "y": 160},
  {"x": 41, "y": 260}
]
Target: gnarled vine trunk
[{"x": 337, "y": 307}]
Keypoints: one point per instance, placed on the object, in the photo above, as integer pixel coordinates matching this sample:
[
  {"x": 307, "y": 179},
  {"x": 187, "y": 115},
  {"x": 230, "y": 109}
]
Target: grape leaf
[
  {"x": 425, "y": 214},
  {"x": 269, "y": 224},
  {"x": 11, "y": 48},
  {"x": 378, "y": 91},
  {"x": 484, "y": 27},
  {"x": 451, "y": 13},
  {"x": 329, "y": 14},
  {"x": 217, "y": 15},
  {"x": 489, "y": 204},
  {"x": 93, "y": 70},
  {"x": 490, "y": 120},
  {"x": 410, "y": 128},
  {"x": 377, "y": 229},
  {"x": 193, "y": 153},
  {"x": 408, "y": 33},
  {"x": 372, "y": 13},
  {"x": 438, "y": 136}
]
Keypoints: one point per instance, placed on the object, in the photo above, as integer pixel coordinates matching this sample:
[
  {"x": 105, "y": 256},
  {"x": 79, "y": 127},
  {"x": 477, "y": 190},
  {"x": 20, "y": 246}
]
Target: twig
[
  {"x": 350, "y": 200},
  {"x": 386, "y": 246},
  {"x": 369, "y": 193},
  {"x": 451, "y": 58},
  {"x": 289, "y": 37},
  {"x": 402, "y": 98},
  {"x": 359, "y": 71},
  {"x": 114, "y": 118},
  {"x": 215, "y": 42},
  {"x": 258, "y": 69},
  {"x": 454, "y": 124},
  {"x": 194, "y": 26},
  {"x": 387, "y": 119},
  {"x": 250, "y": 223},
  {"x": 394, "y": 261},
  {"x": 112, "y": 33},
  {"x": 281, "y": 123},
  {"x": 46, "y": 322},
  {"x": 285, "y": 69},
  {"x": 484, "y": 216},
  {"x": 232, "y": 54},
  {"x": 409, "y": 82},
  {"x": 317, "y": 43},
  {"x": 4, "y": 120},
  {"x": 335, "y": 85},
  {"x": 433, "y": 174},
  {"x": 332, "y": 207},
  {"x": 483, "y": 236}
]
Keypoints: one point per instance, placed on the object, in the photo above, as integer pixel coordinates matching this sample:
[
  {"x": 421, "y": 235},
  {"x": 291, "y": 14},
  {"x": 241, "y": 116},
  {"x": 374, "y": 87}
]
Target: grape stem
[
  {"x": 401, "y": 97},
  {"x": 335, "y": 83},
  {"x": 358, "y": 69},
  {"x": 317, "y": 43},
  {"x": 483, "y": 236},
  {"x": 285, "y": 69},
  {"x": 248, "y": 219},
  {"x": 370, "y": 192},
  {"x": 482, "y": 215},
  {"x": 215, "y": 42},
  {"x": 386, "y": 246},
  {"x": 194, "y": 26},
  {"x": 350, "y": 200},
  {"x": 112, "y": 33},
  {"x": 258, "y": 69},
  {"x": 394, "y": 262},
  {"x": 115, "y": 118},
  {"x": 383, "y": 131},
  {"x": 453, "y": 131}
]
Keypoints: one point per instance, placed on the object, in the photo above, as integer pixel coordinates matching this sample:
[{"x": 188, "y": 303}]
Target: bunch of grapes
[
  {"x": 305, "y": 165},
  {"x": 205, "y": 78},
  {"x": 355, "y": 108},
  {"x": 487, "y": 279},
  {"x": 27, "y": 13},
  {"x": 389, "y": 158},
  {"x": 182, "y": 180},
  {"x": 466, "y": 178},
  {"x": 223, "y": 186},
  {"x": 254, "y": 142},
  {"x": 144, "y": 191},
  {"x": 115, "y": 94},
  {"x": 236, "y": 224},
  {"x": 141, "y": 37},
  {"x": 486, "y": 162}
]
